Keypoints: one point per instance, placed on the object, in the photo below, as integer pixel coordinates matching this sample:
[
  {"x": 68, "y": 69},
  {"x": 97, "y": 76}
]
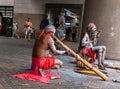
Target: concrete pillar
[{"x": 106, "y": 15}]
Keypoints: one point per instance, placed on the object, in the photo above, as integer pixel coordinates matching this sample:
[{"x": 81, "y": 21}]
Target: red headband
[{"x": 91, "y": 26}]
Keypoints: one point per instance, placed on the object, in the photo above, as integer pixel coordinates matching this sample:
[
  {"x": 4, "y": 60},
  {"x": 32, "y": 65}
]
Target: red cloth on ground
[
  {"x": 44, "y": 63},
  {"x": 87, "y": 51},
  {"x": 34, "y": 76}
]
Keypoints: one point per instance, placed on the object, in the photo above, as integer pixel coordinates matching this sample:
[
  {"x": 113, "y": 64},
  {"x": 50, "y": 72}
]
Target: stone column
[{"x": 106, "y": 15}]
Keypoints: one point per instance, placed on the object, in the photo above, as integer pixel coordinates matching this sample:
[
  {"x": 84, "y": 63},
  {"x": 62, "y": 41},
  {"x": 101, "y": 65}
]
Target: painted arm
[
  {"x": 86, "y": 41},
  {"x": 53, "y": 48}
]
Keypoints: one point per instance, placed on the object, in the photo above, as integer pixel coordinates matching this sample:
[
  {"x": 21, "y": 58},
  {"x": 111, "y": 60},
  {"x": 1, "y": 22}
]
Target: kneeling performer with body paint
[{"x": 40, "y": 56}]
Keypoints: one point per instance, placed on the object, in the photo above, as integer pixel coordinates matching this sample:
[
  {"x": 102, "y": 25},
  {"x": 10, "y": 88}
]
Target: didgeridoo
[{"x": 78, "y": 58}]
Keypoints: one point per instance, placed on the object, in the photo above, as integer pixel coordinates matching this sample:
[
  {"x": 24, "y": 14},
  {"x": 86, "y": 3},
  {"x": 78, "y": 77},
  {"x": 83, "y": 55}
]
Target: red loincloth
[
  {"x": 43, "y": 63},
  {"x": 87, "y": 51}
]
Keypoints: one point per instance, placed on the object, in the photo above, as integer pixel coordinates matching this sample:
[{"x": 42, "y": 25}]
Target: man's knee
[
  {"x": 104, "y": 48},
  {"x": 58, "y": 62},
  {"x": 100, "y": 49}
]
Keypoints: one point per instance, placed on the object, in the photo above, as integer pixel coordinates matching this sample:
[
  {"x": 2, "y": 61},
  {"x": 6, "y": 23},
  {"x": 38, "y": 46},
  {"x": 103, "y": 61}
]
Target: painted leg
[
  {"x": 25, "y": 37},
  {"x": 100, "y": 64}
]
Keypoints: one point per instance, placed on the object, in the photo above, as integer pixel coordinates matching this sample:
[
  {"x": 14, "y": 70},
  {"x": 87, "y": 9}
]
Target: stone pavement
[{"x": 15, "y": 57}]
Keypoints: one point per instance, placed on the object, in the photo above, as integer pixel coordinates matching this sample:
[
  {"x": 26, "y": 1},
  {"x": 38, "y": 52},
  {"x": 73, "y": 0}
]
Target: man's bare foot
[
  {"x": 41, "y": 72},
  {"x": 55, "y": 77},
  {"x": 56, "y": 67}
]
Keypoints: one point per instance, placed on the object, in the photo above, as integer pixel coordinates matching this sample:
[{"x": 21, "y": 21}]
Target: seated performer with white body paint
[{"x": 89, "y": 43}]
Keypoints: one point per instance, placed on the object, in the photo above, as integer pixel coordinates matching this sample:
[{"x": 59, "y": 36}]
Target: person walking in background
[
  {"x": 44, "y": 22},
  {"x": 74, "y": 33},
  {"x": 61, "y": 30},
  {"x": 27, "y": 29},
  {"x": 15, "y": 30}
]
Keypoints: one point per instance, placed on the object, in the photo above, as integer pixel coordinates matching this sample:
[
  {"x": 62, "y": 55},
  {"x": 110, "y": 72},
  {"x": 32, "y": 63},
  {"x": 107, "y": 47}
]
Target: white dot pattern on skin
[
  {"x": 112, "y": 28},
  {"x": 112, "y": 34}
]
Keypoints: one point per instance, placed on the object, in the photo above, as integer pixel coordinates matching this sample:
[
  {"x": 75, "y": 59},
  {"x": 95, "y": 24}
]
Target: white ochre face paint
[{"x": 94, "y": 29}]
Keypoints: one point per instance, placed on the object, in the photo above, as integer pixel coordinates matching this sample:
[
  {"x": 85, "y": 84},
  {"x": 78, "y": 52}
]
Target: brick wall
[
  {"x": 38, "y": 6},
  {"x": 35, "y": 9},
  {"x": 6, "y": 2}
]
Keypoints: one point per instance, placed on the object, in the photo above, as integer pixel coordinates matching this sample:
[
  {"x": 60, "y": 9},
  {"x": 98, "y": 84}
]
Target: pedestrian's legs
[
  {"x": 26, "y": 33},
  {"x": 29, "y": 36},
  {"x": 16, "y": 34},
  {"x": 13, "y": 33},
  {"x": 62, "y": 38}
]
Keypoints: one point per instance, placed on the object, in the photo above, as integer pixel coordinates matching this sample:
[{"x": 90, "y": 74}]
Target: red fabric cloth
[
  {"x": 87, "y": 51},
  {"x": 40, "y": 35},
  {"x": 34, "y": 76},
  {"x": 43, "y": 63}
]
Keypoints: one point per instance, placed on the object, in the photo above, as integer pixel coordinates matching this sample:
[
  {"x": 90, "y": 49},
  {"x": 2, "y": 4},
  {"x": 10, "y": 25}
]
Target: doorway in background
[
  {"x": 74, "y": 13},
  {"x": 7, "y": 20}
]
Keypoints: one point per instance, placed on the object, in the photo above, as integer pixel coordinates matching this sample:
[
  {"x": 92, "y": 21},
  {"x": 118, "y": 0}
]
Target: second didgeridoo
[{"x": 78, "y": 58}]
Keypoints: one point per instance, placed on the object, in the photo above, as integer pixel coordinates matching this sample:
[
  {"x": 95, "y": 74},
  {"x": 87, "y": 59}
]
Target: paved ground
[{"x": 15, "y": 57}]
